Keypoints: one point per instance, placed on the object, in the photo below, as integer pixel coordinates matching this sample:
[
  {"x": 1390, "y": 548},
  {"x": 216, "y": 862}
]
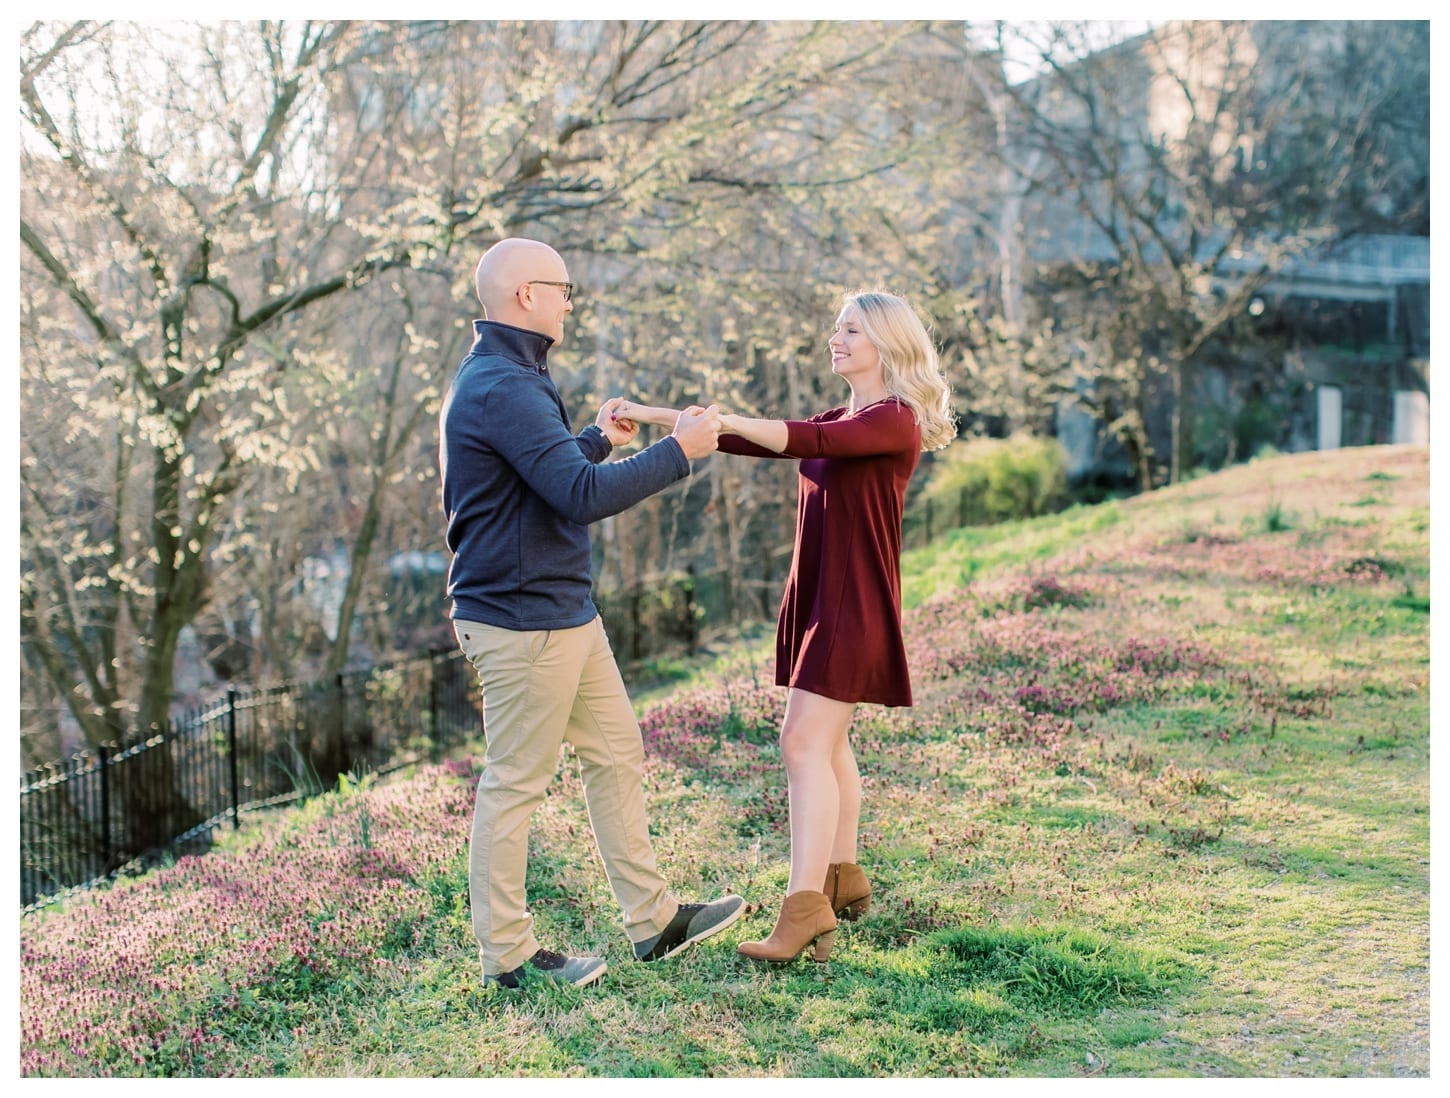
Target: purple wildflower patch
[{"x": 150, "y": 977}]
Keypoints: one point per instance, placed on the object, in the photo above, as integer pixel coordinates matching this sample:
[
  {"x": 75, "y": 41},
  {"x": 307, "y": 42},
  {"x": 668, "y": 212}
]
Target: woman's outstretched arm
[
  {"x": 753, "y": 437},
  {"x": 629, "y": 411}
]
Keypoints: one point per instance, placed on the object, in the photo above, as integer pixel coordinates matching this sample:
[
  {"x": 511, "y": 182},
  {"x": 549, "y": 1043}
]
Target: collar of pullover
[{"x": 529, "y": 349}]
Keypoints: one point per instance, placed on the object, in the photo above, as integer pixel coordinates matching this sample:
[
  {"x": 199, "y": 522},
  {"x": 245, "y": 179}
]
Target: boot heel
[
  {"x": 821, "y": 951},
  {"x": 856, "y": 908}
]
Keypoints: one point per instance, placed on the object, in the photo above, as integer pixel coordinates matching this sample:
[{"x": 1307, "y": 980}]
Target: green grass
[
  {"x": 1219, "y": 867},
  {"x": 979, "y": 552}
]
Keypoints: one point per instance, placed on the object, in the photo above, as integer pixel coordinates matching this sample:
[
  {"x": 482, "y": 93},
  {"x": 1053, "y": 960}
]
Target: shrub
[
  {"x": 988, "y": 480},
  {"x": 1276, "y": 519}
]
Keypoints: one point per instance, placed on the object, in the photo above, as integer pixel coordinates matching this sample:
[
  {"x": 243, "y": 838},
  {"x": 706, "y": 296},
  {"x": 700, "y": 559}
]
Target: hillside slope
[{"x": 1161, "y": 809}]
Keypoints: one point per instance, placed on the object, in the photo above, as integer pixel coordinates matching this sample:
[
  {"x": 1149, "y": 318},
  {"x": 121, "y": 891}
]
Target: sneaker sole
[
  {"x": 700, "y": 937},
  {"x": 584, "y": 981}
]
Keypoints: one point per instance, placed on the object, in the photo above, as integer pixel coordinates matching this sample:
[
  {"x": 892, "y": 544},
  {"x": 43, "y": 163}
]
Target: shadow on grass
[{"x": 958, "y": 1002}]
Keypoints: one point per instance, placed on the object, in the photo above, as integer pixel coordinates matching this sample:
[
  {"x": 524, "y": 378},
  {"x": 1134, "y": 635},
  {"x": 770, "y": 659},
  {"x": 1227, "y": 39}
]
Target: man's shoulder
[
  {"x": 484, "y": 363},
  {"x": 489, "y": 371},
  {"x": 489, "y": 391}
]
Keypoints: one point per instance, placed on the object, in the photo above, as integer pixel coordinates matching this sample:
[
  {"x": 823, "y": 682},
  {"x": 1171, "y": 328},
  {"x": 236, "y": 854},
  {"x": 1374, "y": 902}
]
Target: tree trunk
[
  {"x": 1184, "y": 384},
  {"x": 362, "y": 549},
  {"x": 725, "y": 556},
  {"x": 156, "y": 809},
  {"x": 1132, "y": 432}
]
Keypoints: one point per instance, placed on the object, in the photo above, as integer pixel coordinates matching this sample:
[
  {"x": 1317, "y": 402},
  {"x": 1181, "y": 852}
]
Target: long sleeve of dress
[
  {"x": 735, "y": 444},
  {"x": 886, "y": 427}
]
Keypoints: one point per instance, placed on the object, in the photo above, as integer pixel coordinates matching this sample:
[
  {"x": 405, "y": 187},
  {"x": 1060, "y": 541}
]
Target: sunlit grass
[
  {"x": 969, "y": 553},
  {"x": 1161, "y": 809}
]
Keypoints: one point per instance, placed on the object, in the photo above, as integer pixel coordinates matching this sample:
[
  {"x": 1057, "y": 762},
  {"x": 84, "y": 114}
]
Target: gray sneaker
[
  {"x": 692, "y": 923},
  {"x": 554, "y": 967}
]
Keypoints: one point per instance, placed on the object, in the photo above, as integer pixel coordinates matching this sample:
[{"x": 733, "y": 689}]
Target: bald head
[
  {"x": 523, "y": 283},
  {"x": 526, "y": 284},
  {"x": 508, "y": 265}
]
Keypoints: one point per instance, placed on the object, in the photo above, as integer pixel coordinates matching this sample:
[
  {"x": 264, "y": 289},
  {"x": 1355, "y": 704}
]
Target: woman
[{"x": 838, "y": 642}]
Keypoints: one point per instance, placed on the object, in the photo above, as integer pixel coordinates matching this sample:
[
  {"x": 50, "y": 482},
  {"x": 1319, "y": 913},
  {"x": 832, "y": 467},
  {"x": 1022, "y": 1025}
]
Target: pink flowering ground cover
[
  {"x": 1161, "y": 808},
  {"x": 158, "y": 975}
]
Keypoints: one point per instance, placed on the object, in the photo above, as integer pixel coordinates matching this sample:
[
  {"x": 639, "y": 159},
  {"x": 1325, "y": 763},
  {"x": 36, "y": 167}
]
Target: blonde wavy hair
[{"x": 909, "y": 362}]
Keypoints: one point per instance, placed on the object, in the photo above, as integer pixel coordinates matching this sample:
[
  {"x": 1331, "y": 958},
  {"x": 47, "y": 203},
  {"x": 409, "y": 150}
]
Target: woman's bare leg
[
  {"x": 810, "y": 740},
  {"x": 848, "y": 815}
]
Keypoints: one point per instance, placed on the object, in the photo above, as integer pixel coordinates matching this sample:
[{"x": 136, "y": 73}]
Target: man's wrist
[{"x": 594, "y": 430}]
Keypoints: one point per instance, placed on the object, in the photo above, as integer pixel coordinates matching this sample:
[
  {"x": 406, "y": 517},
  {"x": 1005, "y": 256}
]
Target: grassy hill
[{"x": 1161, "y": 809}]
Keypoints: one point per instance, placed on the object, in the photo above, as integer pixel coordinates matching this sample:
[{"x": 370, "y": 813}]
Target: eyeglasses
[{"x": 567, "y": 287}]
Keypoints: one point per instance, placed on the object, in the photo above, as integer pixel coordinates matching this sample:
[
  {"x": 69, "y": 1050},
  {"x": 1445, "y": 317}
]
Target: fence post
[
  {"x": 341, "y": 725},
  {"x": 232, "y": 757},
  {"x": 692, "y": 628},
  {"x": 435, "y": 726},
  {"x": 105, "y": 808}
]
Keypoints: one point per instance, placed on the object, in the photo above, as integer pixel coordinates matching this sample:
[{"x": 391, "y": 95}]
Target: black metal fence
[{"x": 114, "y": 808}]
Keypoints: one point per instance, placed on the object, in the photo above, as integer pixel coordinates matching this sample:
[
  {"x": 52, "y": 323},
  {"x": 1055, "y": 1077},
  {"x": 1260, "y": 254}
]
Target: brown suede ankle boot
[
  {"x": 805, "y": 919},
  {"x": 848, "y": 890}
]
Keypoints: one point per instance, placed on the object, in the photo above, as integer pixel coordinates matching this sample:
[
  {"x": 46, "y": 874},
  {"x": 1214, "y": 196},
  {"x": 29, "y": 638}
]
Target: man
[{"x": 519, "y": 490}]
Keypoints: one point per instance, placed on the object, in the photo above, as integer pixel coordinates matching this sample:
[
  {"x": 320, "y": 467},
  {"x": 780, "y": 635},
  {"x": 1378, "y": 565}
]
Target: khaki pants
[{"x": 541, "y": 688}]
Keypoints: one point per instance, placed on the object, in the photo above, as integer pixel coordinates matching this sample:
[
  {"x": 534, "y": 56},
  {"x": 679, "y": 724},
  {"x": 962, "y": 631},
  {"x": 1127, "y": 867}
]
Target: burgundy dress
[{"x": 839, "y": 633}]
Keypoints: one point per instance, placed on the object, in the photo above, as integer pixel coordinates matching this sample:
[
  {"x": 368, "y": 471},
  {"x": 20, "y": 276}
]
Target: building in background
[{"x": 1189, "y": 164}]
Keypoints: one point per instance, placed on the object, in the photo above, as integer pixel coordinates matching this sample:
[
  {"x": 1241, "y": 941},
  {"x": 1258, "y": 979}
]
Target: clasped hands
[{"x": 696, "y": 429}]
